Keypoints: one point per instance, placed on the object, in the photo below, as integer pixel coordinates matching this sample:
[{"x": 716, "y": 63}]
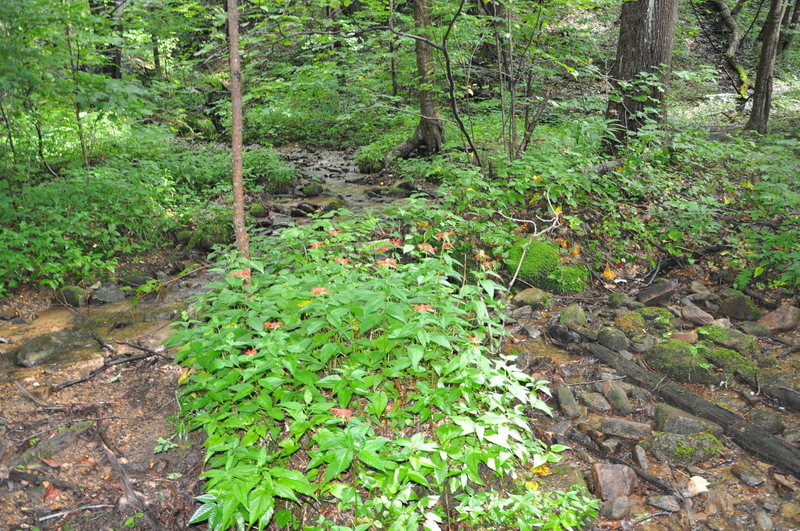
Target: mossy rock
[
  {"x": 631, "y": 323},
  {"x": 541, "y": 259},
  {"x": 533, "y": 297},
  {"x": 258, "y": 211},
  {"x": 654, "y": 313},
  {"x": 684, "y": 450},
  {"x": 568, "y": 280},
  {"x": 398, "y": 192},
  {"x": 732, "y": 339},
  {"x": 573, "y": 317},
  {"x": 737, "y": 305},
  {"x": 682, "y": 362},
  {"x": 183, "y": 236},
  {"x": 312, "y": 190},
  {"x": 336, "y": 204},
  {"x": 212, "y": 231},
  {"x": 73, "y": 295},
  {"x": 731, "y": 362}
]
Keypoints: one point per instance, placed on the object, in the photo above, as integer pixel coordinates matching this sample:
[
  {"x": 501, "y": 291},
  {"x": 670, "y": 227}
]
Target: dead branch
[
  {"x": 107, "y": 365},
  {"x": 77, "y": 509}
]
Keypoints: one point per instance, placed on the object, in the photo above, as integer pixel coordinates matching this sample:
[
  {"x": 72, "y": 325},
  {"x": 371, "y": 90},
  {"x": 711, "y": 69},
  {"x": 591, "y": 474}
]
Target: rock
[
  {"x": 563, "y": 335},
  {"x": 762, "y": 521},
  {"x": 74, "y": 296},
  {"x": 686, "y": 337},
  {"x": 674, "y": 420},
  {"x": 717, "y": 502},
  {"x": 665, "y": 503},
  {"x": 615, "y": 509},
  {"x": 783, "y": 319},
  {"x": 616, "y": 396},
  {"x": 631, "y": 323},
  {"x": 754, "y": 329},
  {"x": 573, "y": 317},
  {"x": 733, "y": 339},
  {"x": 739, "y": 306},
  {"x": 536, "y": 298},
  {"x": 695, "y": 315},
  {"x": 768, "y": 420},
  {"x": 6, "y": 314},
  {"x": 532, "y": 331},
  {"x": 521, "y": 312},
  {"x": 790, "y": 510},
  {"x": 610, "y": 446},
  {"x": 398, "y": 193},
  {"x": 45, "y": 347},
  {"x": 749, "y": 476},
  {"x": 679, "y": 449},
  {"x": 312, "y": 190},
  {"x": 18, "y": 321},
  {"x": 622, "y": 300},
  {"x": 627, "y": 429},
  {"x": 698, "y": 287},
  {"x": 640, "y": 454},
  {"x": 722, "y": 323},
  {"x": 612, "y": 481},
  {"x": 641, "y": 342},
  {"x": 657, "y": 294},
  {"x": 107, "y": 294},
  {"x": 612, "y": 338},
  {"x": 258, "y": 211},
  {"x": 569, "y": 406},
  {"x": 696, "y": 485},
  {"x": 680, "y": 362},
  {"x": 595, "y": 401}
]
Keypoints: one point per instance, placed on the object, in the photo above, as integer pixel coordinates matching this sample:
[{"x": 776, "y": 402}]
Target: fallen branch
[
  {"x": 19, "y": 475},
  {"x": 78, "y": 509},
  {"x": 27, "y": 394},
  {"x": 107, "y": 365}
]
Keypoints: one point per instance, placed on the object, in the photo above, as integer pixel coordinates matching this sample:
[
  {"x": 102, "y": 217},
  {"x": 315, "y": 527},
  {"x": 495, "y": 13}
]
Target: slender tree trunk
[
  {"x": 74, "y": 59},
  {"x": 647, "y": 30},
  {"x": 242, "y": 240},
  {"x": 156, "y": 55},
  {"x": 791, "y": 26},
  {"x": 9, "y": 130},
  {"x": 733, "y": 47},
  {"x": 762, "y": 98}
]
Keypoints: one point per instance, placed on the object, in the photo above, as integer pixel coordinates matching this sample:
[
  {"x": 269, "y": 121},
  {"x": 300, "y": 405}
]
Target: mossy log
[{"x": 747, "y": 435}]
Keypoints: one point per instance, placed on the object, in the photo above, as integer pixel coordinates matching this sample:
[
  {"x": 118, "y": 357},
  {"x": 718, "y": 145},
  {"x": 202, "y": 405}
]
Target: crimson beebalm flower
[
  {"x": 342, "y": 261},
  {"x": 427, "y": 248},
  {"x": 244, "y": 273},
  {"x": 334, "y": 232},
  {"x": 396, "y": 241},
  {"x": 475, "y": 340},
  {"x": 250, "y": 352},
  {"x": 317, "y": 245},
  {"x": 342, "y": 413},
  {"x": 272, "y": 325},
  {"x": 388, "y": 262},
  {"x": 319, "y": 291},
  {"x": 481, "y": 255},
  {"x": 445, "y": 235},
  {"x": 422, "y": 308},
  {"x": 447, "y": 245},
  {"x": 488, "y": 264}
]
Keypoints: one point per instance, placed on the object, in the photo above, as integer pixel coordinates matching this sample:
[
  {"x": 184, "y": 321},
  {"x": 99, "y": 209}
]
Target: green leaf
[{"x": 379, "y": 401}]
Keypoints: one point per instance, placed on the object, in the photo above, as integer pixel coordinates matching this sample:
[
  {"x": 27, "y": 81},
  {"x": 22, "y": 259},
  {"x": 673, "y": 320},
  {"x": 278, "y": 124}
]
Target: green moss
[
  {"x": 685, "y": 449},
  {"x": 681, "y": 361},
  {"x": 541, "y": 259},
  {"x": 732, "y": 339},
  {"x": 654, "y": 313},
  {"x": 569, "y": 280},
  {"x": 731, "y": 362},
  {"x": 258, "y": 211},
  {"x": 631, "y": 323}
]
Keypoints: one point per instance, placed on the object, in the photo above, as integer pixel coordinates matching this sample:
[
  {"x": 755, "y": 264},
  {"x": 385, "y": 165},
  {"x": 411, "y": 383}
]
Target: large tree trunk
[
  {"x": 641, "y": 73},
  {"x": 242, "y": 241},
  {"x": 762, "y": 98},
  {"x": 429, "y": 135},
  {"x": 790, "y": 26}
]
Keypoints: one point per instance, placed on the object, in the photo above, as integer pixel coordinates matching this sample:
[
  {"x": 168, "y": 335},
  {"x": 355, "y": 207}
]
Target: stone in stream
[
  {"x": 107, "y": 294},
  {"x": 536, "y": 298},
  {"x": 674, "y": 420},
  {"x": 767, "y": 420},
  {"x": 755, "y": 329},
  {"x": 739, "y": 306},
  {"x": 569, "y": 406},
  {"x": 74, "y": 296},
  {"x": 312, "y": 190},
  {"x": 612, "y": 481},
  {"x": 622, "y": 300},
  {"x": 762, "y": 521},
  {"x": 684, "y": 450},
  {"x": 624, "y": 428},
  {"x": 783, "y": 319},
  {"x": 45, "y": 347},
  {"x": 631, "y": 323},
  {"x": 657, "y": 294},
  {"x": 616, "y": 396},
  {"x": 695, "y": 315},
  {"x": 615, "y": 509},
  {"x": 665, "y": 503},
  {"x": 612, "y": 338},
  {"x": 749, "y": 476},
  {"x": 573, "y": 317},
  {"x": 640, "y": 454},
  {"x": 790, "y": 510},
  {"x": 595, "y": 401},
  {"x": 698, "y": 287},
  {"x": 686, "y": 337}
]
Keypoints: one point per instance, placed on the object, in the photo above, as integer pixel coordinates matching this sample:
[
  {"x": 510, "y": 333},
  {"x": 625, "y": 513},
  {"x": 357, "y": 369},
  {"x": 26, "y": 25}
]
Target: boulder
[
  {"x": 534, "y": 297},
  {"x": 615, "y": 509},
  {"x": 674, "y": 420},
  {"x": 612, "y": 481},
  {"x": 684, "y": 450},
  {"x": 686, "y": 337},
  {"x": 737, "y": 305},
  {"x": 74, "y": 296},
  {"x": 783, "y": 319},
  {"x": 569, "y": 406},
  {"x": 665, "y": 503},
  {"x": 46, "y": 347},
  {"x": 107, "y": 294},
  {"x": 573, "y": 317},
  {"x": 612, "y": 338},
  {"x": 595, "y": 401},
  {"x": 768, "y": 420},
  {"x": 624, "y": 428},
  {"x": 616, "y": 396},
  {"x": 657, "y": 294},
  {"x": 755, "y": 329}
]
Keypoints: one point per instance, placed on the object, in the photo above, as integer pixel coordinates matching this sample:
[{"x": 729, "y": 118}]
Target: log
[{"x": 745, "y": 434}]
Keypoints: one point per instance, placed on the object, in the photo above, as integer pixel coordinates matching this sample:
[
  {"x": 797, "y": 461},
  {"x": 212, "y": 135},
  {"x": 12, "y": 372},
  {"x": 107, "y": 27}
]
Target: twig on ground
[
  {"x": 77, "y": 509},
  {"x": 29, "y": 396},
  {"x": 107, "y": 365},
  {"x": 643, "y": 519}
]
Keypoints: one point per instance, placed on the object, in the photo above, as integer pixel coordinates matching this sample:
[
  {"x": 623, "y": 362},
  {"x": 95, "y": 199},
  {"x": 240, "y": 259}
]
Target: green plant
[
  {"x": 130, "y": 523},
  {"x": 164, "y": 445}
]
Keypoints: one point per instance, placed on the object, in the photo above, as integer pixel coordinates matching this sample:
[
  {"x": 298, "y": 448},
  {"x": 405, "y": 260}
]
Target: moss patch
[
  {"x": 631, "y": 323},
  {"x": 541, "y": 259},
  {"x": 654, "y": 313},
  {"x": 569, "y": 280},
  {"x": 685, "y": 449},
  {"x": 732, "y": 339},
  {"x": 681, "y": 362},
  {"x": 731, "y": 362}
]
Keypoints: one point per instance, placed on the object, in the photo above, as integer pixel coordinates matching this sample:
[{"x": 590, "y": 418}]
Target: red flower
[
  {"x": 342, "y": 261},
  {"x": 487, "y": 264},
  {"x": 475, "y": 340},
  {"x": 427, "y": 248},
  {"x": 334, "y": 232},
  {"x": 447, "y": 245},
  {"x": 319, "y": 291},
  {"x": 244, "y": 273},
  {"x": 445, "y": 235},
  {"x": 250, "y": 352},
  {"x": 388, "y": 262},
  {"x": 396, "y": 241},
  {"x": 317, "y": 245},
  {"x": 422, "y": 308},
  {"x": 272, "y": 325},
  {"x": 342, "y": 413},
  {"x": 481, "y": 255}
]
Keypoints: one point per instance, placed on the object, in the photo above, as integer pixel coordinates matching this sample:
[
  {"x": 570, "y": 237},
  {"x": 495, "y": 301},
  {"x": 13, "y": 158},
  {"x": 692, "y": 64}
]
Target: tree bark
[
  {"x": 733, "y": 47},
  {"x": 791, "y": 26},
  {"x": 647, "y": 31},
  {"x": 429, "y": 135},
  {"x": 242, "y": 241},
  {"x": 762, "y": 98}
]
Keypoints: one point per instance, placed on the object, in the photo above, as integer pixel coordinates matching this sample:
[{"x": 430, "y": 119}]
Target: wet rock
[
  {"x": 622, "y": 300},
  {"x": 686, "y": 337},
  {"x": 762, "y": 521},
  {"x": 573, "y": 317},
  {"x": 624, "y": 428},
  {"x": 107, "y": 294},
  {"x": 615, "y": 509},
  {"x": 569, "y": 406},
  {"x": 398, "y": 193},
  {"x": 679, "y": 449},
  {"x": 737, "y": 305},
  {"x": 612, "y": 338},
  {"x": 641, "y": 342},
  {"x": 755, "y": 329},
  {"x": 6, "y": 314},
  {"x": 45, "y": 347},
  {"x": 521, "y": 312},
  {"x": 640, "y": 454},
  {"x": 702, "y": 297},
  {"x": 18, "y": 321},
  {"x": 723, "y": 322},
  {"x": 595, "y": 401},
  {"x": 612, "y": 481},
  {"x": 767, "y": 420},
  {"x": 696, "y": 485},
  {"x": 732, "y": 339},
  {"x": 610, "y": 446},
  {"x": 680, "y": 362},
  {"x": 783, "y": 319},
  {"x": 674, "y": 420},
  {"x": 717, "y": 502},
  {"x": 665, "y": 503},
  {"x": 695, "y": 315},
  {"x": 74, "y": 296},
  {"x": 563, "y": 335},
  {"x": 312, "y": 190},
  {"x": 790, "y": 510},
  {"x": 657, "y": 294},
  {"x": 631, "y": 323},
  {"x": 533, "y": 297},
  {"x": 748, "y": 476},
  {"x": 617, "y": 397},
  {"x": 532, "y": 331},
  {"x": 698, "y": 287}
]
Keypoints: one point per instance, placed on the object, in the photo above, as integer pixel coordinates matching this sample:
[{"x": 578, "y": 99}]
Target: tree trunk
[
  {"x": 156, "y": 54},
  {"x": 733, "y": 48},
  {"x": 762, "y": 98},
  {"x": 242, "y": 240},
  {"x": 641, "y": 72},
  {"x": 429, "y": 135},
  {"x": 791, "y": 26}
]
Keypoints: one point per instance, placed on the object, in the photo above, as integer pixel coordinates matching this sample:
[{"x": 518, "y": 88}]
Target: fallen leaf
[
  {"x": 49, "y": 490},
  {"x": 696, "y": 485},
  {"x": 531, "y": 486}
]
